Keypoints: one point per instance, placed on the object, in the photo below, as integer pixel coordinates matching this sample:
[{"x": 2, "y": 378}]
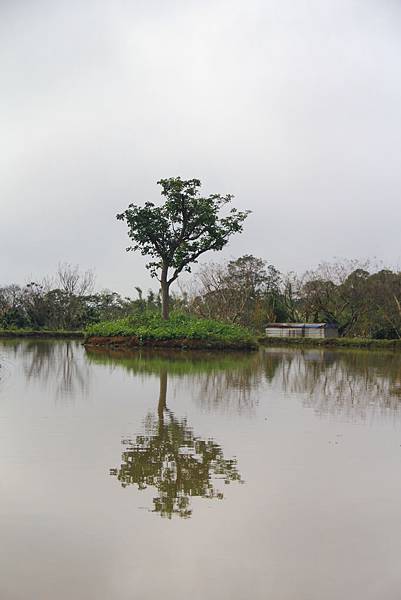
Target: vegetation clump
[{"x": 180, "y": 330}]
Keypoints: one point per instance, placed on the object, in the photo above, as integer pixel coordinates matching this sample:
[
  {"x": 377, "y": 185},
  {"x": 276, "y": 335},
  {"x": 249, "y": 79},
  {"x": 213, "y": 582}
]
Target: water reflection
[
  {"x": 339, "y": 505},
  {"x": 228, "y": 382},
  {"x": 57, "y": 364},
  {"x": 353, "y": 384},
  {"x": 171, "y": 458}
]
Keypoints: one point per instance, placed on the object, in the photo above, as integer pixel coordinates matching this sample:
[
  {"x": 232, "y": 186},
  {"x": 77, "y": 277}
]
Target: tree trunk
[
  {"x": 162, "y": 405},
  {"x": 165, "y": 293}
]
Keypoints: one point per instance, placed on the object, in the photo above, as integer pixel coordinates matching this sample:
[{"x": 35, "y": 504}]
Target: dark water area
[{"x": 170, "y": 475}]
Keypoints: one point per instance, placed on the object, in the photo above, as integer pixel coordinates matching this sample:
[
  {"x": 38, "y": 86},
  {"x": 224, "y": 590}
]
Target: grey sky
[{"x": 292, "y": 106}]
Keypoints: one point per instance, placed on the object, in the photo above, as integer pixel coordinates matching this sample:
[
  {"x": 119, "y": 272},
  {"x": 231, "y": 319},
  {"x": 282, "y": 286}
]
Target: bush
[{"x": 150, "y": 326}]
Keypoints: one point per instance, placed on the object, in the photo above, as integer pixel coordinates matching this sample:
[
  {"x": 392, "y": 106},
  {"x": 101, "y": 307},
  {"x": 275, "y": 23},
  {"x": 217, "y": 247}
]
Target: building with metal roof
[{"x": 306, "y": 330}]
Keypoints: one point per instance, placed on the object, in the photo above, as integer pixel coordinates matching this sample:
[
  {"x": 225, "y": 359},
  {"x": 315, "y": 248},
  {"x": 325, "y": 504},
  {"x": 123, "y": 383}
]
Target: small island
[
  {"x": 180, "y": 331},
  {"x": 174, "y": 235}
]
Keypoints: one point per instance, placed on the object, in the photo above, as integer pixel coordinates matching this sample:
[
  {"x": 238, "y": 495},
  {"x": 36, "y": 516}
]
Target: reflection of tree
[
  {"x": 232, "y": 389},
  {"x": 177, "y": 463},
  {"x": 353, "y": 384},
  {"x": 55, "y": 363},
  {"x": 218, "y": 381},
  {"x": 239, "y": 387}
]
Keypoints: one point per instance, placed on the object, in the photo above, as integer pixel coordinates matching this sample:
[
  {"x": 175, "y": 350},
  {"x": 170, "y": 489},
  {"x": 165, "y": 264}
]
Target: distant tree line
[
  {"x": 68, "y": 302},
  {"x": 362, "y": 299}
]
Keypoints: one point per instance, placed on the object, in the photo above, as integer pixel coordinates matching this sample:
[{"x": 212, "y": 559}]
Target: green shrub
[{"x": 151, "y": 326}]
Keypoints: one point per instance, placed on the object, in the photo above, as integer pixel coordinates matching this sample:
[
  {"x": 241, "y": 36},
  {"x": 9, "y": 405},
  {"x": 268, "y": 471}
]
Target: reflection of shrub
[{"x": 150, "y": 326}]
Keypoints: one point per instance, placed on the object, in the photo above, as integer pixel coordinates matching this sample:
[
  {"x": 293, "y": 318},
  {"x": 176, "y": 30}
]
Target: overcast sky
[{"x": 293, "y": 106}]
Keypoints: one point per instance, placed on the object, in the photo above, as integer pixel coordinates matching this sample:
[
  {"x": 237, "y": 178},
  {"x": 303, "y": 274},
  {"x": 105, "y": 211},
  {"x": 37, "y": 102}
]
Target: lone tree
[{"x": 178, "y": 232}]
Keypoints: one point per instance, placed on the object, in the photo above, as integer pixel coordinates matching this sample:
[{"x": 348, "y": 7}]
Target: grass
[
  {"x": 333, "y": 342},
  {"x": 151, "y": 327}
]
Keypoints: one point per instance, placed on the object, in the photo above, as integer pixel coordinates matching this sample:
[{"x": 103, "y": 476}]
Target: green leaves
[
  {"x": 187, "y": 225},
  {"x": 150, "y": 326}
]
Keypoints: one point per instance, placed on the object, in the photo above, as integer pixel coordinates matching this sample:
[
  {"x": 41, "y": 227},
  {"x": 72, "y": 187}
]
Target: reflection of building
[{"x": 308, "y": 330}]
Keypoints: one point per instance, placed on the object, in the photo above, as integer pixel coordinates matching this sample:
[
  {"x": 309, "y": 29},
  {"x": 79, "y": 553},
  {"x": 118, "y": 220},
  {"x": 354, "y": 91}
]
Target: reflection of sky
[{"x": 321, "y": 498}]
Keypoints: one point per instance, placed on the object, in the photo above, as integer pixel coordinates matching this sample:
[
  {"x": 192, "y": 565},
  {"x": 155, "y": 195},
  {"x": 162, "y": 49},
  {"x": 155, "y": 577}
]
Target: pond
[{"x": 171, "y": 475}]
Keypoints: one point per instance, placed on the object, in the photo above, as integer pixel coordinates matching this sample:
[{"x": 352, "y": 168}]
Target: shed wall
[{"x": 299, "y": 331}]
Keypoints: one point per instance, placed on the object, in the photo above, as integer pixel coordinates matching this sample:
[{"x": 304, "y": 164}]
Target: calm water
[{"x": 275, "y": 475}]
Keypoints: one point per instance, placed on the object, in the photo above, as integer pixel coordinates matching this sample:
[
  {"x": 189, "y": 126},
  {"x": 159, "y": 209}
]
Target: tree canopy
[{"x": 179, "y": 231}]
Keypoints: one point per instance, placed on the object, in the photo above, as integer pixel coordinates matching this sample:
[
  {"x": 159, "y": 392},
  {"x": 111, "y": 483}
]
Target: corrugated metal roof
[{"x": 302, "y": 325}]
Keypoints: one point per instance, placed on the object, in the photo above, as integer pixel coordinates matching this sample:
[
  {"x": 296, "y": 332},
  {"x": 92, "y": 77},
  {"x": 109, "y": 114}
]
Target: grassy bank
[
  {"x": 40, "y": 333},
  {"x": 180, "y": 331},
  {"x": 333, "y": 343}
]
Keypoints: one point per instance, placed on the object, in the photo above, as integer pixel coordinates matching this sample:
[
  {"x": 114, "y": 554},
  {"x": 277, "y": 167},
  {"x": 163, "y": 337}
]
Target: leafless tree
[{"x": 74, "y": 282}]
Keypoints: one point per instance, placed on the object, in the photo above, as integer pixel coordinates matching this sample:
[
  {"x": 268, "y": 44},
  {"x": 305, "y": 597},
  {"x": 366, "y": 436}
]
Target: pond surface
[{"x": 220, "y": 476}]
